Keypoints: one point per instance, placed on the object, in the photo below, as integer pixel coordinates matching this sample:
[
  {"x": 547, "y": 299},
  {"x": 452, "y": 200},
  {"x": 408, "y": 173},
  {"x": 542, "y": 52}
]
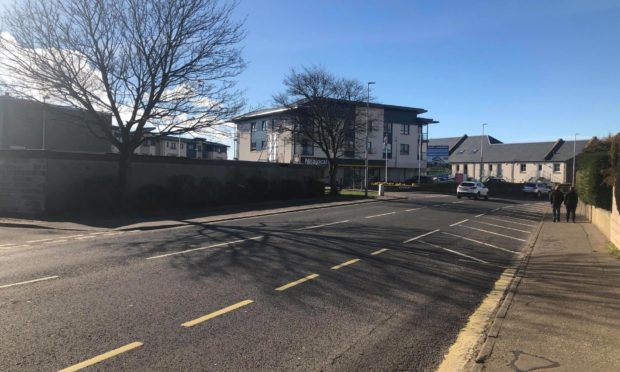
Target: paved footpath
[{"x": 565, "y": 312}]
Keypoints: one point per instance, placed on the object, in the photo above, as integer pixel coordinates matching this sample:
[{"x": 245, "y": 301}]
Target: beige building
[
  {"x": 267, "y": 136},
  {"x": 480, "y": 157}
]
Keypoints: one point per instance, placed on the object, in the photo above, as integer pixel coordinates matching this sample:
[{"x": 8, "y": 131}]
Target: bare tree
[
  {"x": 163, "y": 63},
  {"x": 322, "y": 108}
]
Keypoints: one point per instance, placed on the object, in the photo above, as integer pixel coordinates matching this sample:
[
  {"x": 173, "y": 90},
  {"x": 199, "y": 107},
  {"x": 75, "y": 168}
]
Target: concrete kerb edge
[
  {"x": 292, "y": 209},
  {"x": 502, "y": 308}
]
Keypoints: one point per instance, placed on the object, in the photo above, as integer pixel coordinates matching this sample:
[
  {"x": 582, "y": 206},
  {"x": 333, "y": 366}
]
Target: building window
[
  {"x": 253, "y": 126},
  {"x": 465, "y": 168},
  {"x": 167, "y": 144},
  {"x": 263, "y": 145},
  {"x": 458, "y": 167},
  {"x": 523, "y": 166},
  {"x": 539, "y": 167},
  {"x": 307, "y": 148},
  {"x": 490, "y": 167},
  {"x": 404, "y": 130},
  {"x": 369, "y": 145},
  {"x": 181, "y": 146},
  {"x": 173, "y": 145},
  {"x": 263, "y": 126},
  {"x": 253, "y": 146},
  {"x": 556, "y": 167},
  {"x": 404, "y": 149}
]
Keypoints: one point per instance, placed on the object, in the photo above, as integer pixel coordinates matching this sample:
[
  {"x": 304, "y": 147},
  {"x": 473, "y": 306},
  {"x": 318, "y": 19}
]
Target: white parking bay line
[
  {"x": 454, "y": 252},
  {"x": 458, "y": 223},
  {"x": 421, "y": 236},
  {"x": 513, "y": 222},
  {"x": 458, "y": 202},
  {"x": 482, "y": 243},
  {"x": 494, "y": 233},
  {"x": 40, "y": 240},
  {"x": 412, "y": 209},
  {"x": 379, "y": 215},
  {"x": 326, "y": 224},
  {"x": 500, "y": 226},
  {"x": 202, "y": 248},
  {"x": 479, "y": 215},
  {"x": 29, "y": 281}
]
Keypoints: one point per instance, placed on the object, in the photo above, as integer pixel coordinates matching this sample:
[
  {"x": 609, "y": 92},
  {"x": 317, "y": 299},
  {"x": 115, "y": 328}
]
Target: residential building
[
  {"x": 175, "y": 146},
  {"x": 479, "y": 157},
  {"x": 27, "y": 124},
  {"x": 269, "y": 135}
]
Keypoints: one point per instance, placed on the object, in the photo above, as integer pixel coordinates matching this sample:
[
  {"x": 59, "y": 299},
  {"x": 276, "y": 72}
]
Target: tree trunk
[
  {"x": 122, "y": 175},
  {"x": 333, "y": 182}
]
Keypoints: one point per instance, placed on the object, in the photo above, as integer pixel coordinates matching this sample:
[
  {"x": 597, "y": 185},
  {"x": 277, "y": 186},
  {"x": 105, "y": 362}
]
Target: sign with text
[
  {"x": 314, "y": 161},
  {"x": 438, "y": 155}
]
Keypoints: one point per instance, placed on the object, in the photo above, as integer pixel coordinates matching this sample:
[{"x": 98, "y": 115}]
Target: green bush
[{"x": 590, "y": 180}]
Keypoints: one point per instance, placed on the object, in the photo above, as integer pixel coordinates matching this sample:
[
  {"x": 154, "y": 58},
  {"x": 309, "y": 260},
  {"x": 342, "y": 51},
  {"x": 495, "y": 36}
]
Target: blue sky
[{"x": 534, "y": 70}]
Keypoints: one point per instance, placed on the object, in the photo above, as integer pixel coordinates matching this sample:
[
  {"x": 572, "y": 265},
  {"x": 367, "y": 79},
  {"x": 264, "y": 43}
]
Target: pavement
[{"x": 563, "y": 308}]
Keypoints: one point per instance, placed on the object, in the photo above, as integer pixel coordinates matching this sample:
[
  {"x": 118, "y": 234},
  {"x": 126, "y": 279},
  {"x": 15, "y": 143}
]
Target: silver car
[{"x": 472, "y": 189}]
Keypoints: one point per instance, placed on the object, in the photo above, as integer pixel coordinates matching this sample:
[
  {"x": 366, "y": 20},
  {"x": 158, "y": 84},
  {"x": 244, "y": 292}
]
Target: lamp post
[
  {"x": 482, "y": 149},
  {"x": 366, "y": 143},
  {"x": 45, "y": 98},
  {"x": 574, "y": 155}
]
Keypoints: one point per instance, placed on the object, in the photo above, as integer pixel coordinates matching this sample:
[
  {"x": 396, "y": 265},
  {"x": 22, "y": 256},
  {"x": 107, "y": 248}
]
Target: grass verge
[
  {"x": 350, "y": 192},
  {"x": 613, "y": 250}
]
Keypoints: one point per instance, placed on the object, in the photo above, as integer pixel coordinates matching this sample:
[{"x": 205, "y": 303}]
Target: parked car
[
  {"x": 472, "y": 189},
  {"x": 493, "y": 180},
  {"x": 538, "y": 188}
]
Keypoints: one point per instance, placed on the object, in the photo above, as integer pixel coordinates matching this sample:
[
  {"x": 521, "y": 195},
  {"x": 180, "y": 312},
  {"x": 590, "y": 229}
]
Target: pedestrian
[
  {"x": 556, "y": 199},
  {"x": 570, "y": 201}
]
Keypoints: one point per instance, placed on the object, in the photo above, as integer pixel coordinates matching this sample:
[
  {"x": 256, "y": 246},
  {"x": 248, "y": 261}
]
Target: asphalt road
[{"x": 378, "y": 286}]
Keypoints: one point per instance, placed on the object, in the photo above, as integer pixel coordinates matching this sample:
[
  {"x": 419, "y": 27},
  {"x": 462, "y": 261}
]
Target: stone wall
[
  {"x": 35, "y": 181},
  {"x": 22, "y": 185}
]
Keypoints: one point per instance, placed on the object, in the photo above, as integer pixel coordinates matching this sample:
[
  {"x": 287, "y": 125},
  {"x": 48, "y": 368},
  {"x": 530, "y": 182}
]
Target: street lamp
[
  {"x": 45, "y": 98},
  {"x": 366, "y": 143},
  {"x": 574, "y": 155},
  {"x": 482, "y": 149}
]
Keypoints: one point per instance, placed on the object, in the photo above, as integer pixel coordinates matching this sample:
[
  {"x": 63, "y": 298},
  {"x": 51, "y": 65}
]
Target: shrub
[{"x": 590, "y": 181}]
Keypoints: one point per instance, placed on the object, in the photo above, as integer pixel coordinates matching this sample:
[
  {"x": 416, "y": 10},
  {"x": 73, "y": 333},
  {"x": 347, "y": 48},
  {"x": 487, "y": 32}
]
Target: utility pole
[
  {"x": 574, "y": 155},
  {"x": 45, "y": 98},
  {"x": 366, "y": 143}
]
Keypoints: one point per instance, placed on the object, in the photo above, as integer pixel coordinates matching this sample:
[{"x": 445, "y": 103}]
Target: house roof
[
  {"x": 273, "y": 110},
  {"x": 495, "y": 151}
]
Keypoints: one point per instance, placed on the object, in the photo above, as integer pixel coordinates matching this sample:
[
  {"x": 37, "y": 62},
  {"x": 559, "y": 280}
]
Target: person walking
[
  {"x": 570, "y": 201},
  {"x": 556, "y": 198}
]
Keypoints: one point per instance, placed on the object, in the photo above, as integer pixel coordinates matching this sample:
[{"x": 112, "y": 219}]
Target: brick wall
[{"x": 22, "y": 185}]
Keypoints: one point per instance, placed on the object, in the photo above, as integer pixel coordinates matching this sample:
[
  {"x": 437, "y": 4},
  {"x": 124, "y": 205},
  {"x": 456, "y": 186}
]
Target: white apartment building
[
  {"x": 267, "y": 135},
  {"x": 191, "y": 148},
  {"x": 479, "y": 157}
]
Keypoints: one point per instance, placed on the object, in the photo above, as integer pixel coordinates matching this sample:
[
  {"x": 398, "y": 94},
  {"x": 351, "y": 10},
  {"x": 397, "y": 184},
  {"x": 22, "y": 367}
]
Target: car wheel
[
  {"x": 459, "y": 196},
  {"x": 538, "y": 194},
  {"x": 477, "y": 195},
  {"x": 486, "y": 197}
]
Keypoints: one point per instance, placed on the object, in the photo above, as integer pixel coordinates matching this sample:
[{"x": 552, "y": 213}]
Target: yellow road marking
[
  {"x": 102, "y": 357},
  {"x": 214, "y": 314},
  {"x": 350, "y": 262},
  {"x": 296, "y": 282},
  {"x": 379, "y": 251}
]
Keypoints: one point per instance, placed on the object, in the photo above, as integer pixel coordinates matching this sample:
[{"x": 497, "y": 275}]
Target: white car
[{"x": 472, "y": 189}]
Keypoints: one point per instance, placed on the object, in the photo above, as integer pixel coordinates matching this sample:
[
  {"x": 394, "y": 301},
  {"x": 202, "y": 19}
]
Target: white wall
[{"x": 511, "y": 172}]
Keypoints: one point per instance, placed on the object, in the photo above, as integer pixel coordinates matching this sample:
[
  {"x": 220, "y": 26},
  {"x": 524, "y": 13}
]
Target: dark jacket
[
  {"x": 571, "y": 199},
  {"x": 556, "y": 198}
]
